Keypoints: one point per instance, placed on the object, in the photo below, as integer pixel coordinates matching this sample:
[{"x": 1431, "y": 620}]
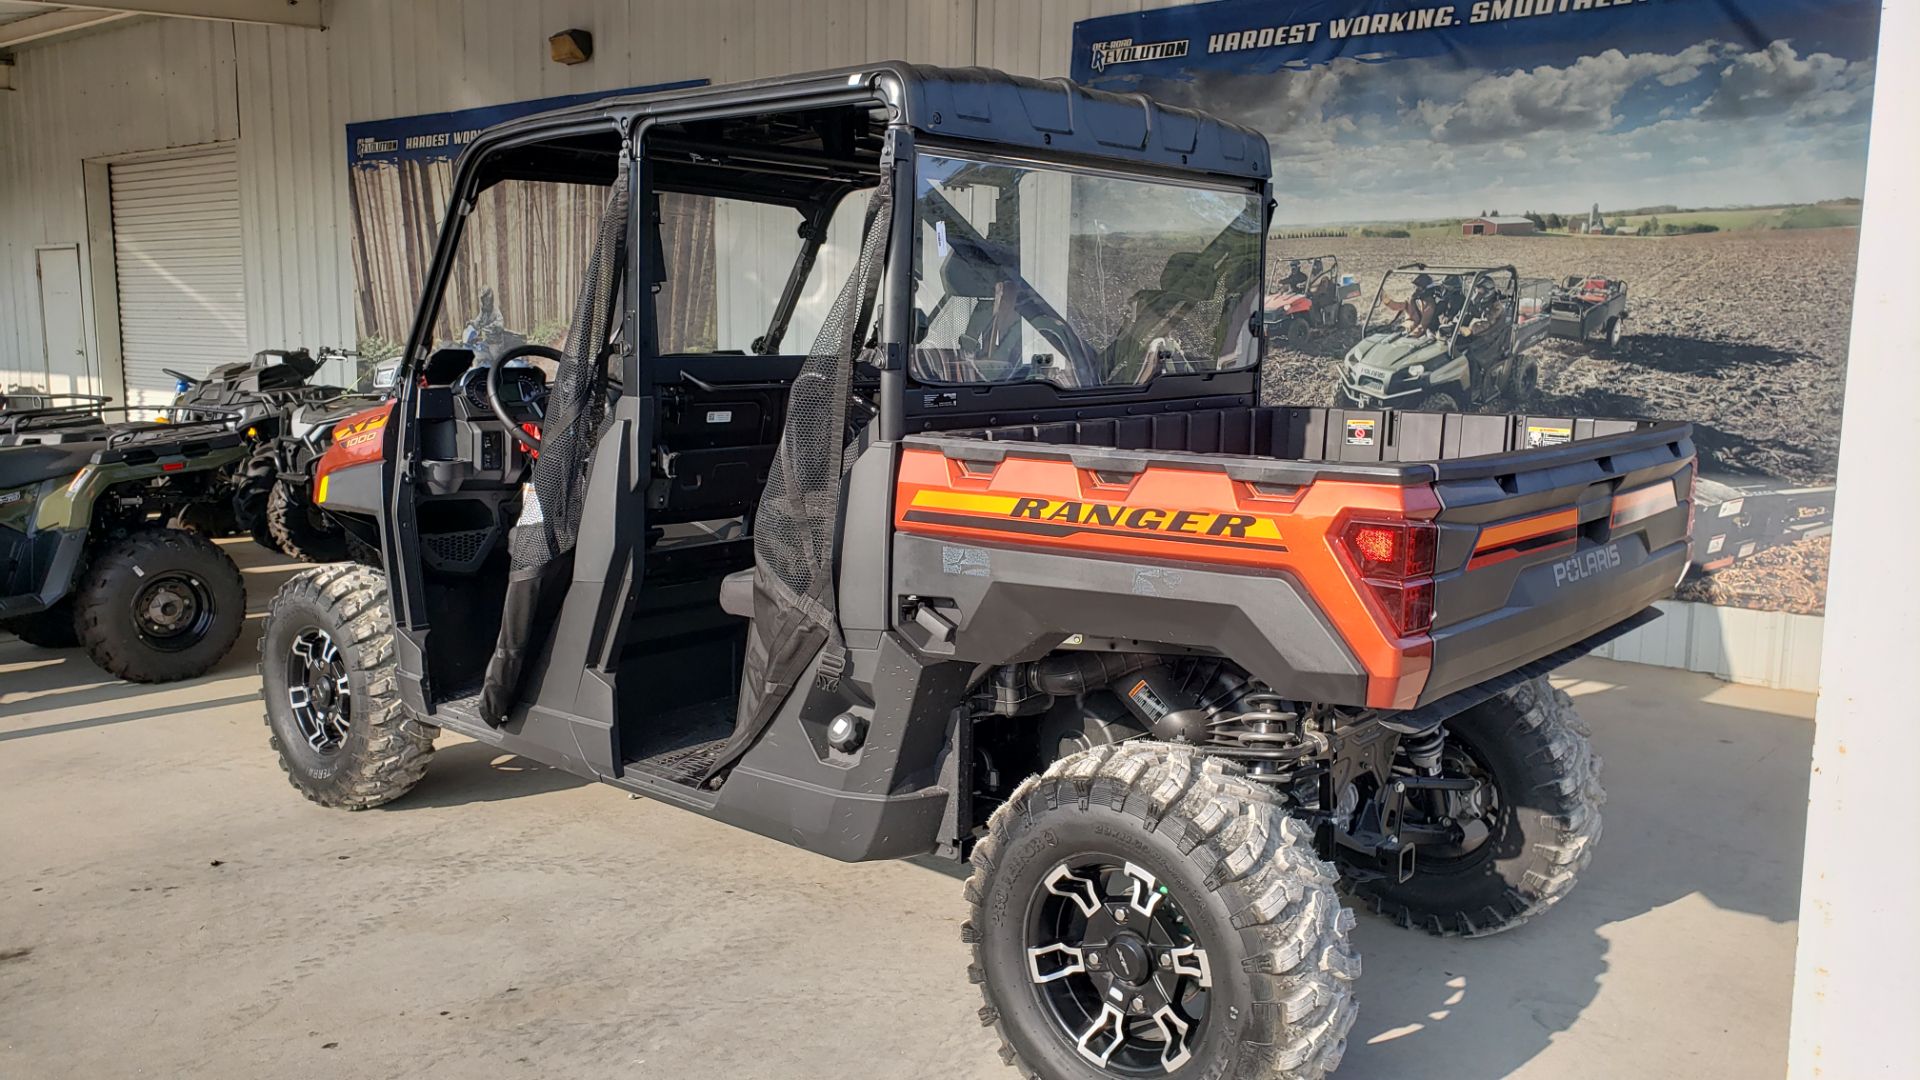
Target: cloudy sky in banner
[{"x": 1706, "y": 120}]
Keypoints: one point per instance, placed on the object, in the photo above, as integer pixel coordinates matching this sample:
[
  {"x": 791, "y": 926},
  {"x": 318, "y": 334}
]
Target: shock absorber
[{"x": 1423, "y": 750}]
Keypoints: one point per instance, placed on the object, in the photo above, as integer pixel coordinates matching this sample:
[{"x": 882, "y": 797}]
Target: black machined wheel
[
  {"x": 319, "y": 690},
  {"x": 1521, "y": 837},
  {"x": 1115, "y": 963},
  {"x": 159, "y": 605},
  {"x": 329, "y": 678},
  {"x": 1144, "y": 910}
]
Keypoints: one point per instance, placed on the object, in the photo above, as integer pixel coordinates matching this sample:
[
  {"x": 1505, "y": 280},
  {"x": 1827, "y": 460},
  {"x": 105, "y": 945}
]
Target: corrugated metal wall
[
  {"x": 144, "y": 85},
  {"x": 287, "y": 96}
]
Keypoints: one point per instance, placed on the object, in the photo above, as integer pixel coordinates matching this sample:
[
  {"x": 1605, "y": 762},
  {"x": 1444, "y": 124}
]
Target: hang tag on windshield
[{"x": 940, "y": 239}]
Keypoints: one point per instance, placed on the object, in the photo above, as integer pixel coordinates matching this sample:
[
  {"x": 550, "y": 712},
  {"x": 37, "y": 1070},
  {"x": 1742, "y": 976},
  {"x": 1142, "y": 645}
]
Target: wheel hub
[
  {"x": 1114, "y": 963},
  {"x": 1128, "y": 959},
  {"x": 172, "y": 611},
  {"x": 319, "y": 691}
]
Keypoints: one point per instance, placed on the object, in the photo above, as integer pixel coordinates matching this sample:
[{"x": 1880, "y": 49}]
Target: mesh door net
[
  {"x": 797, "y": 526},
  {"x": 542, "y": 541}
]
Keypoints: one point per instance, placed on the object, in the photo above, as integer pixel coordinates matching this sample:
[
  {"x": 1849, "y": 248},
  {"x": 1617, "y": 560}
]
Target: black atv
[{"x": 279, "y": 411}]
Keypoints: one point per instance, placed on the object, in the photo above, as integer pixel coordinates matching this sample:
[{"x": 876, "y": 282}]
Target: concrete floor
[{"x": 169, "y": 907}]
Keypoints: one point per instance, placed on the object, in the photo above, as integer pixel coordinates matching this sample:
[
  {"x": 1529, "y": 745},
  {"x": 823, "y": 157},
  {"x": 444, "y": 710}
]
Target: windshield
[
  {"x": 1422, "y": 300},
  {"x": 1032, "y": 274}
]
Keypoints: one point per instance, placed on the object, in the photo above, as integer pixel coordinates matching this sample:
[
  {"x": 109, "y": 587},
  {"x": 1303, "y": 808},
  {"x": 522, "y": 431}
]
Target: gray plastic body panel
[
  {"x": 1009, "y": 604},
  {"x": 863, "y": 550},
  {"x": 883, "y": 801}
]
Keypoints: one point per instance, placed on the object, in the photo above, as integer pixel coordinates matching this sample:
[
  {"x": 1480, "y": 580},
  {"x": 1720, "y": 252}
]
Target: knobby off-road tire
[
  {"x": 1244, "y": 877},
  {"x": 331, "y": 626},
  {"x": 1535, "y": 748},
  {"x": 1439, "y": 401},
  {"x": 159, "y": 605},
  {"x": 299, "y": 530},
  {"x": 49, "y": 629}
]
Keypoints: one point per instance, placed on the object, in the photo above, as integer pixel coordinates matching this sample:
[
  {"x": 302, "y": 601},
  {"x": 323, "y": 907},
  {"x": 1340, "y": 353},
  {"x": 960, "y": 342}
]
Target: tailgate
[{"x": 1541, "y": 548}]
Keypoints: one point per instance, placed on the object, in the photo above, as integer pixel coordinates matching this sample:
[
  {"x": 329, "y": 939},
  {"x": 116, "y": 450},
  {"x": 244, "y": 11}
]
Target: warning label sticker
[
  {"x": 1548, "y": 435},
  {"x": 1360, "y": 432}
]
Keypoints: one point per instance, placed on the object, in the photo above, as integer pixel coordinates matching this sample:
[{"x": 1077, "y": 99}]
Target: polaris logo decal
[
  {"x": 1070, "y": 517},
  {"x": 1586, "y": 564},
  {"x": 1125, "y": 51}
]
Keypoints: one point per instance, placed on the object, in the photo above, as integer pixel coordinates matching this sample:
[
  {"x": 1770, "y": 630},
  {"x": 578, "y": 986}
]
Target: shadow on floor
[{"x": 471, "y": 772}]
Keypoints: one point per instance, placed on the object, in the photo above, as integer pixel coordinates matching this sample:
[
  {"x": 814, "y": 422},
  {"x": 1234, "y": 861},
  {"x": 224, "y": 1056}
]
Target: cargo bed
[{"x": 1546, "y": 529}]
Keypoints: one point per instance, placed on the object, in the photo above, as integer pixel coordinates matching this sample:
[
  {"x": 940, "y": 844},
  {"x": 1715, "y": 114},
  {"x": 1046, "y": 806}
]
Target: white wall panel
[
  {"x": 138, "y": 85},
  {"x": 1762, "y": 648},
  {"x": 287, "y": 96}
]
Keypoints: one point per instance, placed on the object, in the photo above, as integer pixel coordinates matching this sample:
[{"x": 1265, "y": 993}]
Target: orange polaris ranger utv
[{"x": 903, "y": 487}]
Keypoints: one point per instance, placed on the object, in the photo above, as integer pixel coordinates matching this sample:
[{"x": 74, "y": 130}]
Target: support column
[{"x": 1856, "y": 990}]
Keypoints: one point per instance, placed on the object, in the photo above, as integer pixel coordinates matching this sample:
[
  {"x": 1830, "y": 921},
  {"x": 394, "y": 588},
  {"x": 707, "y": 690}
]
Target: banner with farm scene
[
  {"x": 1560, "y": 207},
  {"x": 526, "y": 246}
]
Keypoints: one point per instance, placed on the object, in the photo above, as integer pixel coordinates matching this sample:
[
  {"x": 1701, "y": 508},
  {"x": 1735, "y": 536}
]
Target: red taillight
[
  {"x": 1395, "y": 560},
  {"x": 172, "y": 466},
  {"x": 1376, "y": 544}
]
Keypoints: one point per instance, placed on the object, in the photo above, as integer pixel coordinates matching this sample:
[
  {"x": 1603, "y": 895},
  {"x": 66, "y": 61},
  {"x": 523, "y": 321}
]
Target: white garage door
[{"x": 176, "y": 249}]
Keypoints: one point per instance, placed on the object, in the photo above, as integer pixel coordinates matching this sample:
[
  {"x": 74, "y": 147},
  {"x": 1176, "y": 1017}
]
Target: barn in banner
[{"x": 1497, "y": 226}]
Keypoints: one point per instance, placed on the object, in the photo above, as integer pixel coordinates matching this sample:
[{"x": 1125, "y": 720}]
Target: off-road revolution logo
[{"x": 1126, "y": 52}]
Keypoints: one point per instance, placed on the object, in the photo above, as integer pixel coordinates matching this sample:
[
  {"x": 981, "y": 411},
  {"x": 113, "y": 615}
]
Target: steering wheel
[{"x": 520, "y": 434}]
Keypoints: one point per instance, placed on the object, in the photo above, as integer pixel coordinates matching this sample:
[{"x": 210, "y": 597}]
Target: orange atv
[{"x": 1312, "y": 299}]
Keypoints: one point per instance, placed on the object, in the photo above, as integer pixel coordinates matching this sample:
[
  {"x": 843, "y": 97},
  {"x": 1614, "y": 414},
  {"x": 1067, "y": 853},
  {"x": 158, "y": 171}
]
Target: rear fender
[{"x": 1021, "y": 553}]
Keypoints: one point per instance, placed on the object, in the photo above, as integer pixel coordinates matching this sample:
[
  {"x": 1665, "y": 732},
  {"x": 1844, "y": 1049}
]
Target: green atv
[
  {"x": 1447, "y": 339},
  {"x": 86, "y": 556}
]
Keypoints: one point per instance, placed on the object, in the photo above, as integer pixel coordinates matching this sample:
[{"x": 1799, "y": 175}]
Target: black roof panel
[{"x": 978, "y": 104}]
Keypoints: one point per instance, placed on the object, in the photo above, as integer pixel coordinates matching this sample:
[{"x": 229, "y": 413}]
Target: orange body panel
[
  {"x": 1186, "y": 515},
  {"x": 357, "y": 440}
]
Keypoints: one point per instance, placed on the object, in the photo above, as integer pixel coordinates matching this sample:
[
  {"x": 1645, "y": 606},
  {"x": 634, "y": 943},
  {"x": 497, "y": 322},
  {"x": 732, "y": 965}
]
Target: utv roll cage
[
  {"x": 807, "y": 142},
  {"x": 1462, "y": 279}
]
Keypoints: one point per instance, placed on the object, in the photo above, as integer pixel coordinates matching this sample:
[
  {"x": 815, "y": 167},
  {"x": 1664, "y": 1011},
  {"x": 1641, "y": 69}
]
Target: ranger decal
[{"x": 1065, "y": 517}]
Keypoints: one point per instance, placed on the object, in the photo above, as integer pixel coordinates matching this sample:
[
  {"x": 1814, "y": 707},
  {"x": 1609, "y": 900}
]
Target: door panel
[{"x": 62, "y": 322}]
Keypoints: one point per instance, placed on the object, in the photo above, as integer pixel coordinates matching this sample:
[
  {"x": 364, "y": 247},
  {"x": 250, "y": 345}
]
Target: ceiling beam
[
  {"x": 302, "y": 13},
  {"x": 58, "y": 21}
]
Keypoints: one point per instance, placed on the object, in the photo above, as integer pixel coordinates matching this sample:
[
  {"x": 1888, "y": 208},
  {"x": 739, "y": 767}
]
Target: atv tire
[
  {"x": 1298, "y": 332},
  {"x": 160, "y": 605},
  {"x": 1439, "y": 401},
  {"x": 1243, "y": 883},
  {"x": 210, "y": 519},
  {"x": 1348, "y": 317},
  {"x": 299, "y": 529},
  {"x": 1546, "y": 821},
  {"x": 49, "y": 629},
  {"x": 329, "y": 678},
  {"x": 1525, "y": 385}
]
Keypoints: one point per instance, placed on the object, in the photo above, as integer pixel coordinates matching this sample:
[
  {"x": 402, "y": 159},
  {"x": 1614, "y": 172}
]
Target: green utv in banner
[{"x": 1675, "y": 184}]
